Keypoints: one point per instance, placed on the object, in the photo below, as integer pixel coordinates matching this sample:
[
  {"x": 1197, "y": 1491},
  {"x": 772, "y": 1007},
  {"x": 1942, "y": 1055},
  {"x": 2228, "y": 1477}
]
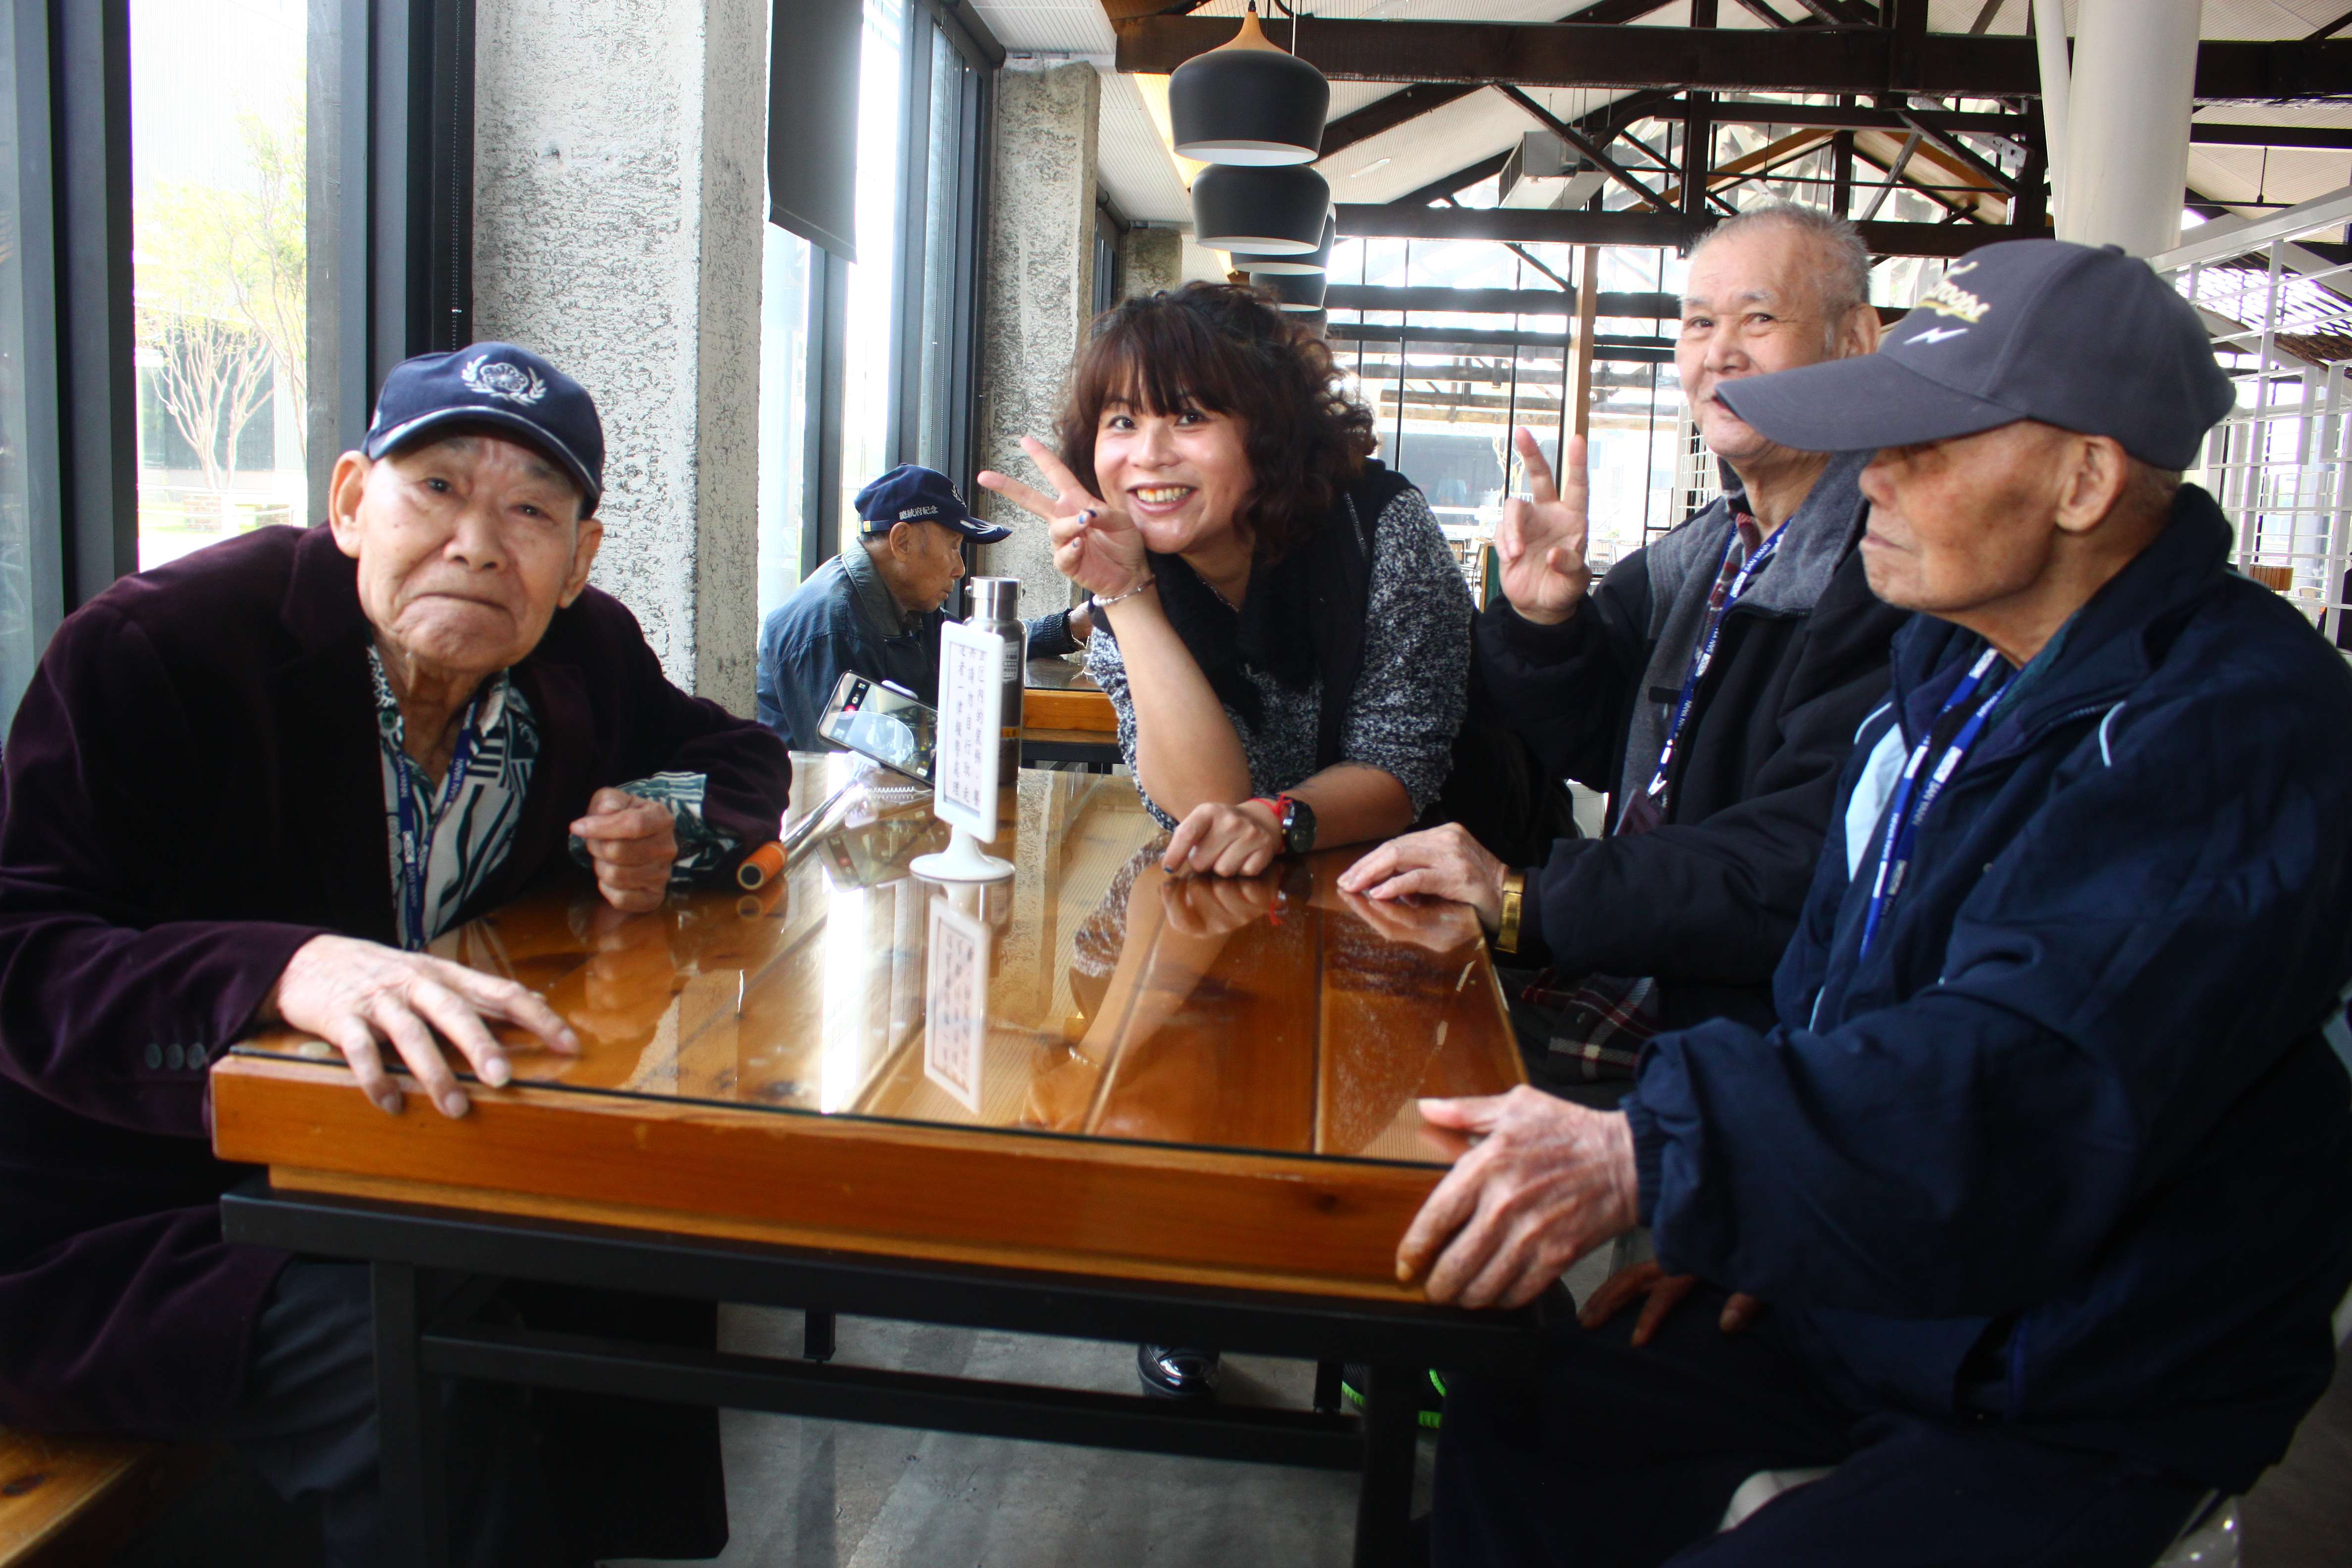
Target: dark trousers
[
  {"x": 1612, "y": 1457},
  {"x": 536, "y": 1478}
]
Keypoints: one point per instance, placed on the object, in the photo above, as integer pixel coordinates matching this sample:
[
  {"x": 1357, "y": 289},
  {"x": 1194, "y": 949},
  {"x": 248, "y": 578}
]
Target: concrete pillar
[
  {"x": 619, "y": 164},
  {"x": 1036, "y": 295},
  {"x": 2127, "y": 123},
  {"x": 1151, "y": 259}
]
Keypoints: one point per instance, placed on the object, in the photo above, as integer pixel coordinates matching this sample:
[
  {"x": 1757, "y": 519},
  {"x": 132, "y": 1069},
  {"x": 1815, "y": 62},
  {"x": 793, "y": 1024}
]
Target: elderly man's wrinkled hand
[
  {"x": 1546, "y": 1183},
  {"x": 1660, "y": 1293},
  {"x": 632, "y": 844},
  {"x": 357, "y": 996},
  {"x": 1433, "y": 926},
  {"x": 1437, "y": 863},
  {"x": 1540, "y": 542}
]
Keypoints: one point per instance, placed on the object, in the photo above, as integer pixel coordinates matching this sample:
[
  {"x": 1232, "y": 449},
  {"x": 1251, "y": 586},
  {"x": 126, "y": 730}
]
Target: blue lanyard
[
  {"x": 1705, "y": 654},
  {"x": 1904, "y": 812},
  {"x": 416, "y": 838}
]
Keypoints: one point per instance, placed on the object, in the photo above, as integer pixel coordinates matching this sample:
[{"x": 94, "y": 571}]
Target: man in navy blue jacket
[{"x": 2046, "y": 1166}]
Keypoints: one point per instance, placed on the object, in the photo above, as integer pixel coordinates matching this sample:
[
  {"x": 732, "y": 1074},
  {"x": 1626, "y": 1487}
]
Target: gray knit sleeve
[
  {"x": 1415, "y": 685},
  {"x": 1109, "y": 670}
]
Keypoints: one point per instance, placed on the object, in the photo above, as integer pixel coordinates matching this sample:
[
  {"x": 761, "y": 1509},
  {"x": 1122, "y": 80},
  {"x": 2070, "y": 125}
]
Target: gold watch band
[{"x": 1507, "y": 934}]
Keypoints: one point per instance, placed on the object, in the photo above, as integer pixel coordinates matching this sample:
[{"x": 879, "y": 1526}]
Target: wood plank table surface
[{"x": 1183, "y": 1079}]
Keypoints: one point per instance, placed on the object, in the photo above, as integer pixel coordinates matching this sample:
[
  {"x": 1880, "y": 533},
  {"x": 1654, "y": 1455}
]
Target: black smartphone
[{"x": 880, "y": 721}]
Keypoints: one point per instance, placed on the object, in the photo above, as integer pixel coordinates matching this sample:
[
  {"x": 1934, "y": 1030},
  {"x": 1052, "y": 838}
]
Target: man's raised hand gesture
[{"x": 1541, "y": 541}]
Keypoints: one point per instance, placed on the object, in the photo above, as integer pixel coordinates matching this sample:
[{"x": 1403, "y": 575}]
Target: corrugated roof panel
[{"x": 1132, "y": 164}]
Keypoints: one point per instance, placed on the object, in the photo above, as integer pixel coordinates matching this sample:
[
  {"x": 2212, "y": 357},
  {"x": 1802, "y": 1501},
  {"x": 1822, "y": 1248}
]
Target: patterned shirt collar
[
  {"x": 458, "y": 830},
  {"x": 488, "y": 707}
]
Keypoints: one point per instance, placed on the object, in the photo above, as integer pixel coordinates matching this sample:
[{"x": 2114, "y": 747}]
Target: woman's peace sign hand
[{"x": 1095, "y": 545}]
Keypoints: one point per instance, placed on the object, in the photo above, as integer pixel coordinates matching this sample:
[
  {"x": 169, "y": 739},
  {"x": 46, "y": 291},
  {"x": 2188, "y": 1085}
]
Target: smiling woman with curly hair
[{"x": 1289, "y": 637}]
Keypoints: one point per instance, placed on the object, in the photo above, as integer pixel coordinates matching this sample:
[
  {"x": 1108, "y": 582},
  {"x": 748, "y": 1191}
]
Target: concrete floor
[
  {"x": 816, "y": 1494},
  {"x": 812, "y": 1494}
]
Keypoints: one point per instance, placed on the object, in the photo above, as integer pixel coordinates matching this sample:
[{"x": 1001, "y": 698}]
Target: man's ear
[
  {"x": 2093, "y": 481},
  {"x": 344, "y": 489},
  {"x": 1861, "y": 332},
  {"x": 590, "y": 539},
  {"x": 906, "y": 540}
]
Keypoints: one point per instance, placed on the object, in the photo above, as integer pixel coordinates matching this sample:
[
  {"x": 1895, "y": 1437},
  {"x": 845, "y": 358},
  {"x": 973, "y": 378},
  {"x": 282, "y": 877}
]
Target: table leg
[
  {"x": 410, "y": 1453},
  {"x": 1384, "y": 1501},
  {"x": 816, "y": 1335},
  {"x": 1327, "y": 1386}
]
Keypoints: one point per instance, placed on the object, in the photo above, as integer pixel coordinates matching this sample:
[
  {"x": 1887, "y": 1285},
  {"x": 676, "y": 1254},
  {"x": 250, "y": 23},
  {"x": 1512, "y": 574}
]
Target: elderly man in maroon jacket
[{"x": 249, "y": 787}]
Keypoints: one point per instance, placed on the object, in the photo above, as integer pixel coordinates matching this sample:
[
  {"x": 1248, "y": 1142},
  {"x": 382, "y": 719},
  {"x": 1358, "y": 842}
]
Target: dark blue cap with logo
[
  {"x": 908, "y": 493},
  {"x": 500, "y": 387},
  {"x": 2078, "y": 336}
]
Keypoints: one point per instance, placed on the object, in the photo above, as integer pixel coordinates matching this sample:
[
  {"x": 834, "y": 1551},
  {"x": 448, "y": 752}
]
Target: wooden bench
[{"x": 68, "y": 1502}]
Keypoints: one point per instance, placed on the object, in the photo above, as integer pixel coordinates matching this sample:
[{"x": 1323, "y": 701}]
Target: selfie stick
[{"x": 964, "y": 775}]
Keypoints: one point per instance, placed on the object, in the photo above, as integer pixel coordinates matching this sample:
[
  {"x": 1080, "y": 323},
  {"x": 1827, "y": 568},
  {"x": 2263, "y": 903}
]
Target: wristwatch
[
  {"x": 1515, "y": 892},
  {"x": 1297, "y": 819}
]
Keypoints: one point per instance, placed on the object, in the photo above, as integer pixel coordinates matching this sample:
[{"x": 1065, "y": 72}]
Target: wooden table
[
  {"x": 1066, "y": 718},
  {"x": 1194, "y": 1122}
]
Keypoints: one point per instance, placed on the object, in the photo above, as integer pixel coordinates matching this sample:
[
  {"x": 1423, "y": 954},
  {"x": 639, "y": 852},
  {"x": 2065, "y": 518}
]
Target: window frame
[
  {"x": 981, "y": 56},
  {"x": 821, "y": 410},
  {"x": 402, "y": 234}
]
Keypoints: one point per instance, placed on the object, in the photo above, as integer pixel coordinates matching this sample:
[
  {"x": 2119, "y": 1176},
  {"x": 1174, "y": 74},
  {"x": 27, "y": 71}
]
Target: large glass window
[
  {"x": 218, "y": 115},
  {"x": 785, "y": 344},
  {"x": 867, "y": 364},
  {"x": 941, "y": 364},
  {"x": 29, "y": 588},
  {"x": 867, "y": 358},
  {"x": 1448, "y": 386}
]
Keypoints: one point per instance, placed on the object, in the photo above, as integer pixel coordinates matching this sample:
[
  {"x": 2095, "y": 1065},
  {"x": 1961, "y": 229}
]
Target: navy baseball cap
[
  {"x": 503, "y": 388},
  {"x": 2078, "y": 336},
  {"x": 912, "y": 494}
]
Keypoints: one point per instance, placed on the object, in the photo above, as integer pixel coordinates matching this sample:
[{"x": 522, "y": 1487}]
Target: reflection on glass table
[
  {"x": 1276, "y": 1014},
  {"x": 1057, "y": 674}
]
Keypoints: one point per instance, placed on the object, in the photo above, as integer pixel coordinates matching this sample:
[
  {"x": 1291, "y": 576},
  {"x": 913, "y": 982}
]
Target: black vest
[{"x": 1305, "y": 617}]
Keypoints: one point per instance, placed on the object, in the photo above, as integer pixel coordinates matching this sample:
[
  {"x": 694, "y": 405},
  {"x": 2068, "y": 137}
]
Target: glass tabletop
[
  {"x": 1057, "y": 674},
  {"x": 1090, "y": 995}
]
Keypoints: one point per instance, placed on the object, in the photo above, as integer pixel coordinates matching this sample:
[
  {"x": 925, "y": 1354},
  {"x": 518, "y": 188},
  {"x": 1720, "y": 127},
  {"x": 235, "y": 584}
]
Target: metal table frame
[{"x": 403, "y": 1243}]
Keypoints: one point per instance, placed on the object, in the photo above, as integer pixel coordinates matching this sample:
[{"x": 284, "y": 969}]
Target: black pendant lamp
[
  {"x": 1248, "y": 101},
  {"x": 1260, "y": 212},
  {"x": 1292, "y": 291},
  {"x": 1317, "y": 261}
]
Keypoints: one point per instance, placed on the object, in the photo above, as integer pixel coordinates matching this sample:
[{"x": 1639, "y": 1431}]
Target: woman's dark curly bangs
[{"x": 1225, "y": 349}]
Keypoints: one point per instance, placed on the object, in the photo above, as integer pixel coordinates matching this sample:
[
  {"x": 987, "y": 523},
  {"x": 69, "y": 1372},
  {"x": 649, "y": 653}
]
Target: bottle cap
[{"x": 996, "y": 598}]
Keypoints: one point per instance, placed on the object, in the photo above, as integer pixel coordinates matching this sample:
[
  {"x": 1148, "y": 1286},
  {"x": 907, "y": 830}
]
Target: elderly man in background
[
  {"x": 2044, "y": 1163},
  {"x": 876, "y": 609},
  {"x": 1710, "y": 683},
  {"x": 248, "y": 788}
]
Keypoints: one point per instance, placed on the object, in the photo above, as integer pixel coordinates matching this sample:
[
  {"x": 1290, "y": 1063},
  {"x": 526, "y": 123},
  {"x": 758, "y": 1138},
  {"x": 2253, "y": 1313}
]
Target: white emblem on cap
[
  {"x": 1936, "y": 335},
  {"x": 1948, "y": 299},
  {"x": 497, "y": 378}
]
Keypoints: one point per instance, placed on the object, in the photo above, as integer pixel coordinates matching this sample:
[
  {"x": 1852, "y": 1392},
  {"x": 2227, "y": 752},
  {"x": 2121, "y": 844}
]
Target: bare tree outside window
[
  {"x": 220, "y": 267},
  {"x": 211, "y": 376}
]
